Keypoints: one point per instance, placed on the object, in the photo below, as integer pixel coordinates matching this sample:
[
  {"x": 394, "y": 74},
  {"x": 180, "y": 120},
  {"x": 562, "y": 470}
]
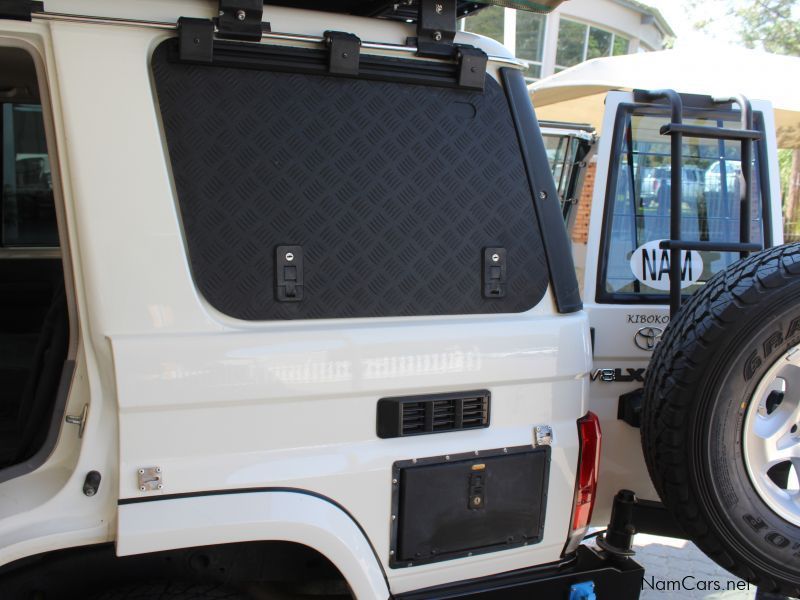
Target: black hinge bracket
[
  {"x": 436, "y": 32},
  {"x": 471, "y": 67},
  {"x": 345, "y": 52},
  {"x": 19, "y": 10},
  {"x": 436, "y": 28},
  {"x": 195, "y": 39},
  {"x": 238, "y": 20}
]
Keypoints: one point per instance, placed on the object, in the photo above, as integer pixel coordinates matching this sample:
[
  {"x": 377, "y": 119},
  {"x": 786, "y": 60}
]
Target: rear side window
[
  {"x": 28, "y": 212},
  {"x": 390, "y": 190},
  {"x": 638, "y": 205}
]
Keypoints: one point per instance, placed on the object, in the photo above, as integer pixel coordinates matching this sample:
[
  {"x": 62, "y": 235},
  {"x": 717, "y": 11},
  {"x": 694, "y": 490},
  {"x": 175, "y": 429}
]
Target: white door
[{"x": 626, "y": 275}]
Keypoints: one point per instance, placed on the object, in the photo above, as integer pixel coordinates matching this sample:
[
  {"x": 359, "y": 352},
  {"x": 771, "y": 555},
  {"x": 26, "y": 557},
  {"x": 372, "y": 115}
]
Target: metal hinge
[
  {"x": 345, "y": 52},
  {"x": 79, "y": 420},
  {"x": 238, "y": 20},
  {"x": 19, "y": 10}
]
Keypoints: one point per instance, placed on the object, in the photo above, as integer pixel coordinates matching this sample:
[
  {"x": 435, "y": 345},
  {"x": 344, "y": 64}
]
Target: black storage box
[{"x": 452, "y": 506}]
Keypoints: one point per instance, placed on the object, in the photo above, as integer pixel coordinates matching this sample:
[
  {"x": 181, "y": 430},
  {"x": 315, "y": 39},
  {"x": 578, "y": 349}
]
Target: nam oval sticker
[{"x": 650, "y": 266}]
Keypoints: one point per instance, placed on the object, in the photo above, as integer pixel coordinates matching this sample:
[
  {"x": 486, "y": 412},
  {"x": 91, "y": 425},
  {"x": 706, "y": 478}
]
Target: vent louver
[{"x": 415, "y": 415}]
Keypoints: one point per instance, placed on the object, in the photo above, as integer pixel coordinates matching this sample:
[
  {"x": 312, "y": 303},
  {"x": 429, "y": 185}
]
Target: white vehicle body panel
[{"x": 222, "y": 404}]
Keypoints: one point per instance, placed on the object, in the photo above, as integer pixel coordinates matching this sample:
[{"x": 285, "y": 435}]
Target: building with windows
[{"x": 576, "y": 31}]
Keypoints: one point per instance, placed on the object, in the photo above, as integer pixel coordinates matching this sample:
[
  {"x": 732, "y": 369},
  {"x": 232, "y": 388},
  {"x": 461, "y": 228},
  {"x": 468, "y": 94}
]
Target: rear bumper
[{"x": 621, "y": 580}]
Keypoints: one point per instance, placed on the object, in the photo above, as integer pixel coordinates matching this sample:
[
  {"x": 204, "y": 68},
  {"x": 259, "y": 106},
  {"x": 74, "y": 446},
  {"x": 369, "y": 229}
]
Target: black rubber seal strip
[
  {"x": 555, "y": 239},
  {"x": 180, "y": 496}
]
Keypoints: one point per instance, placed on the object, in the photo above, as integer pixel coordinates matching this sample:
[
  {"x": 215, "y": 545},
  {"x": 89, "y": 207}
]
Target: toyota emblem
[{"x": 647, "y": 337}]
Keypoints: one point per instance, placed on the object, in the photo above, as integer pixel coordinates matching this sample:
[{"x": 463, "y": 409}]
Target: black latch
[
  {"x": 289, "y": 273},
  {"x": 19, "y": 10},
  {"x": 476, "y": 498},
  {"x": 345, "y": 49},
  {"x": 238, "y": 20},
  {"x": 494, "y": 272}
]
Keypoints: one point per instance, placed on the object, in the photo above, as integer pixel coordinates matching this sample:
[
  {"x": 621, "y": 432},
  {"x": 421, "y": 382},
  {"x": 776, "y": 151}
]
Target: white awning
[{"x": 578, "y": 94}]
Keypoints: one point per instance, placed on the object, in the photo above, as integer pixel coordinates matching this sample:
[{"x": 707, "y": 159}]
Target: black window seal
[
  {"x": 624, "y": 111},
  {"x": 553, "y": 231}
]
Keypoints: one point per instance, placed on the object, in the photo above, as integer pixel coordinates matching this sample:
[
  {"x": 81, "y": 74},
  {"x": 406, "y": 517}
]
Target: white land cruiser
[{"x": 288, "y": 308}]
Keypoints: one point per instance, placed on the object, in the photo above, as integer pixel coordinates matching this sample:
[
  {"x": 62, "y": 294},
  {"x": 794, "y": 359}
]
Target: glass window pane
[
  {"x": 640, "y": 206},
  {"x": 28, "y": 211},
  {"x": 488, "y": 22},
  {"x": 571, "y": 40},
  {"x": 530, "y": 35},
  {"x": 599, "y": 43},
  {"x": 533, "y": 71},
  {"x": 621, "y": 45}
]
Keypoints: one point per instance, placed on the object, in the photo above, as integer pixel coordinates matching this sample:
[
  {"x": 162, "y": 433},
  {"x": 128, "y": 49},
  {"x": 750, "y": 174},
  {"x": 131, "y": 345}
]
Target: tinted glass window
[
  {"x": 639, "y": 205},
  {"x": 28, "y": 213}
]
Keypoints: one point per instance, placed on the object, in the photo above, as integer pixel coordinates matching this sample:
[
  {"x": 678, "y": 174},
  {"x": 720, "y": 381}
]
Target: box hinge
[
  {"x": 19, "y": 10},
  {"x": 436, "y": 32},
  {"x": 345, "y": 50},
  {"x": 471, "y": 67},
  {"x": 238, "y": 20}
]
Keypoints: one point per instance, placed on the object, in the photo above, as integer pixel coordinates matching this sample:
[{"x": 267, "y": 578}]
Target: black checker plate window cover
[{"x": 392, "y": 190}]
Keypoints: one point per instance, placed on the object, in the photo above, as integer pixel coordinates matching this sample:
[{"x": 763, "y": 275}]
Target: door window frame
[{"x": 624, "y": 109}]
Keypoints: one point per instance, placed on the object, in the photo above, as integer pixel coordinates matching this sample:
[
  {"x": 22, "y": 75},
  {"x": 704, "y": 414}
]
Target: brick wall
[{"x": 580, "y": 230}]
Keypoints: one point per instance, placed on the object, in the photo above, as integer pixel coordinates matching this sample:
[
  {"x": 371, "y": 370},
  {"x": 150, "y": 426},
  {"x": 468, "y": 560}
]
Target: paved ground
[{"x": 677, "y": 569}]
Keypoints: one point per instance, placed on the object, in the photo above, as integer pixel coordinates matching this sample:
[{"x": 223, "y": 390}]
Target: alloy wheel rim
[{"x": 771, "y": 441}]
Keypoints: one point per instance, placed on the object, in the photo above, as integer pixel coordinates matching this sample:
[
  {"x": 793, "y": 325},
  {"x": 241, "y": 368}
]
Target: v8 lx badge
[
  {"x": 612, "y": 375},
  {"x": 647, "y": 337}
]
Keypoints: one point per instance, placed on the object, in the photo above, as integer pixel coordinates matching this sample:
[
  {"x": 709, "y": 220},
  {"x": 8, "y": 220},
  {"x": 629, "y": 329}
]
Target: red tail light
[
  {"x": 588, "y": 466},
  {"x": 586, "y": 484}
]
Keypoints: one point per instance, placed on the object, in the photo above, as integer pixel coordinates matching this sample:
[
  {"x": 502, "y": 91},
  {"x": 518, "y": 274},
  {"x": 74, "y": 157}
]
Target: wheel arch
[{"x": 209, "y": 518}]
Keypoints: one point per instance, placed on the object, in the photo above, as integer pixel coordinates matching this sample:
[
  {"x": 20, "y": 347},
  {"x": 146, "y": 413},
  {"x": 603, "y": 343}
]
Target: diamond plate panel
[{"x": 392, "y": 189}]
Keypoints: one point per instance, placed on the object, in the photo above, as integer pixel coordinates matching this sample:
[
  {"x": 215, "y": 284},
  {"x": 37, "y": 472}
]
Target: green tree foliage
[
  {"x": 774, "y": 26},
  {"x": 771, "y": 25}
]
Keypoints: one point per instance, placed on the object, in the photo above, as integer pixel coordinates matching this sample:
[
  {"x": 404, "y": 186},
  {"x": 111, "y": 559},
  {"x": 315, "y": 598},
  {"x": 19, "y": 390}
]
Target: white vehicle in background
[{"x": 713, "y": 405}]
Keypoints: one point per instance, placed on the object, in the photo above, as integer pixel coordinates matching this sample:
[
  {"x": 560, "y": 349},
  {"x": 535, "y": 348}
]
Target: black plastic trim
[
  {"x": 557, "y": 247},
  {"x": 624, "y": 109},
  {"x": 252, "y": 490},
  {"x": 389, "y": 422}
]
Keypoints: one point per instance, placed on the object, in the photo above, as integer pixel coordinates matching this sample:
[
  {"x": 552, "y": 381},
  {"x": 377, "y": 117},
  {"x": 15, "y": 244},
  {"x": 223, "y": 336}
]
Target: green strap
[{"x": 542, "y": 6}]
